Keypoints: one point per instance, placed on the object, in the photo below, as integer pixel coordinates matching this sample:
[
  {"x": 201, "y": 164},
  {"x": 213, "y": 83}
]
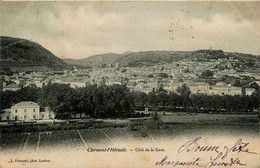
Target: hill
[
  {"x": 20, "y": 53},
  {"x": 96, "y": 60},
  {"x": 129, "y": 58},
  {"x": 150, "y": 58}
]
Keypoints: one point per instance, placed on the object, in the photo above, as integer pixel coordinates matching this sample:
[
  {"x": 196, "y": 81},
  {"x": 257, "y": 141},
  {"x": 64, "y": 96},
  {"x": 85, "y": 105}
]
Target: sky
[{"x": 81, "y": 29}]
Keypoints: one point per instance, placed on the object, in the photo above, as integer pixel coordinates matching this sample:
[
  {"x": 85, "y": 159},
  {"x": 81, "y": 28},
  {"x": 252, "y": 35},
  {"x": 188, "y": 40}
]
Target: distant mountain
[
  {"x": 126, "y": 53},
  {"x": 77, "y": 63},
  {"x": 20, "y": 53},
  {"x": 129, "y": 58},
  {"x": 96, "y": 60},
  {"x": 149, "y": 58}
]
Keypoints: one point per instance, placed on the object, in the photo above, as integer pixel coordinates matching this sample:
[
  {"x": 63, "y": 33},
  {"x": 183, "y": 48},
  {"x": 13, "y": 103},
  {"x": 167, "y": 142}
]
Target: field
[
  {"x": 209, "y": 118},
  {"x": 81, "y": 136},
  {"x": 81, "y": 139}
]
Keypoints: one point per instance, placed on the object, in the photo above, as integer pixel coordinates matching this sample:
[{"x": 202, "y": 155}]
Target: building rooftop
[
  {"x": 221, "y": 84},
  {"x": 25, "y": 103},
  {"x": 12, "y": 85}
]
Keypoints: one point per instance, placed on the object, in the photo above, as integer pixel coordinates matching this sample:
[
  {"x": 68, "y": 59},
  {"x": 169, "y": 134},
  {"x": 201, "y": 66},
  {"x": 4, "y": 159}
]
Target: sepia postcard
[{"x": 128, "y": 84}]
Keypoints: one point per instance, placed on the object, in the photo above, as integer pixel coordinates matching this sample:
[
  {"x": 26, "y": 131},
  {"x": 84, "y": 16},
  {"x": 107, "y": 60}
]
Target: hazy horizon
[
  {"x": 137, "y": 51},
  {"x": 81, "y": 29}
]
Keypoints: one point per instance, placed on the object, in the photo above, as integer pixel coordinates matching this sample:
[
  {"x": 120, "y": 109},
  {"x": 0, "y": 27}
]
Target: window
[
  {"x": 34, "y": 116},
  {"x": 7, "y": 118},
  {"x": 15, "y": 110},
  {"x": 43, "y": 116},
  {"x": 24, "y": 110},
  {"x": 34, "y": 110},
  {"x": 25, "y": 117}
]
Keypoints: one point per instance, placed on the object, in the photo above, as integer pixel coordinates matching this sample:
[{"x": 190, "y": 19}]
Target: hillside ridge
[{"x": 17, "y": 53}]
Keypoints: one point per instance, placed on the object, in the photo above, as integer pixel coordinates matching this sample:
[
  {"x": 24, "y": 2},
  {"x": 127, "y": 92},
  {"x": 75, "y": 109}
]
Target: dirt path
[
  {"x": 85, "y": 145},
  {"x": 38, "y": 143},
  {"x": 26, "y": 141}
]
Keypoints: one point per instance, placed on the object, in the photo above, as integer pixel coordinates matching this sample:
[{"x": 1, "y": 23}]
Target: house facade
[
  {"x": 47, "y": 114},
  {"x": 26, "y": 111}
]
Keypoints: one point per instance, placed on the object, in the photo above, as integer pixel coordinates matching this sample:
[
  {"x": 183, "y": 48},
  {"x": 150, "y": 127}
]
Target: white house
[
  {"x": 47, "y": 114},
  {"x": 24, "y": 111}
]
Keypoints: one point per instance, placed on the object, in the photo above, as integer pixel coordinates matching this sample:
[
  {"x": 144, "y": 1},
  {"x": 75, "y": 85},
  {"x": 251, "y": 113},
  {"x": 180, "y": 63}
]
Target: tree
[
  {"x": 254, "y": 85},
  {"x": 174, "y": 99},
  {"x": 118, "y": 101},
  {"x": 28, "y": 94},
  {"x": 54, "y": 96},
  {"x": 152, "y": 99},
  {"x": 156, "y": 121},
  {"x": 124, "y": 81},
  {"x": 72, "y": 101},
  {"x": 150, "y": 76},
  {"x": 141, "y": 98},
  {"x": 99, "y": 100},
  {"x": 237, "y": 83},
  {"x": 207, "y": 74},
  {"x": 197, "y": 102},
  {"x": 160, "y": 88},
  {"x": 184, "y": 90},
  {"x": 163, "y": 75},
  {"x": 243, "y": 91},
  {"x": 256, "y": 96},
  {"x": 8, "y": 98},
  {"x": 186, "y": 70},
  {"x": 163, "y": 98},
  {"x": 87, "y": 99}
]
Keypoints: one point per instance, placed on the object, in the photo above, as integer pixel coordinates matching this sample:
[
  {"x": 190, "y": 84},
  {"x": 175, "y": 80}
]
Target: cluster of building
[
  {"x": 168, "y": 76},
  {"x": 146, "y": 78}
]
